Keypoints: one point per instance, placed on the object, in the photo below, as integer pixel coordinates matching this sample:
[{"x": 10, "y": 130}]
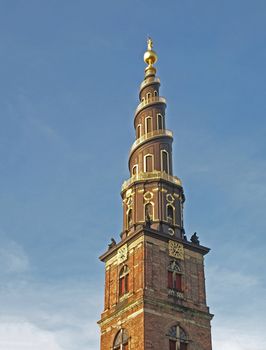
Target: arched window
[
  {"x": 148, "y": 211},
  {"x": 148, "y": 125},
  {"x": 121, "y": 340},
  {"x": 129, "y": 218},
  {"x": 135, "y": 170},
  {"x": 174, "y": 277},
  {"x": 155, "y": 93},
  {"x": 148, "y": 96},
  {"x": 123, "y": 281},
  {"x": 160, "y": 121},
  {"x": 165, "y": 161},
  {"x": 170, "y": 210},
  {"x": 138, "y": 131},
  {"x": 148, "y": 163},
  {"x": 178, "y": 339}
]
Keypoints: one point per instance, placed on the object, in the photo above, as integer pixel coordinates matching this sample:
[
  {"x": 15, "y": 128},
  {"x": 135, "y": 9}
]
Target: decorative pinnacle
[
  {"x": 149, "y": 43},
  {"x": 150, "y": 56}
]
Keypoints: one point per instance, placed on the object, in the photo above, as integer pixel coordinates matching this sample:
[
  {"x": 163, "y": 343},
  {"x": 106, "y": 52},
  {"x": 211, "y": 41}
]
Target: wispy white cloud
[
  {"x": 238, "y": 332},
  {"x": 223, "y": 278},
  {"x": 58, "y": 315},
  {"x": 229, "y": 288},
  {"x": 35, "y": 314},
  {"x": 22, "y": 335},
  {"x": 13, "y": 258},
  {"x": 239, "y": 336},
  {"x": 239, "y": 312}
]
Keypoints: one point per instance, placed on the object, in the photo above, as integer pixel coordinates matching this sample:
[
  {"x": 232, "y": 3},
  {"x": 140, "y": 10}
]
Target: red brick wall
[{"x": 147, "y": 311}]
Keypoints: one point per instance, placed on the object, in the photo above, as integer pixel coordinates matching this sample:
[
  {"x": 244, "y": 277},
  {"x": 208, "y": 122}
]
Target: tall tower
[{"x": 154, "y": 277}]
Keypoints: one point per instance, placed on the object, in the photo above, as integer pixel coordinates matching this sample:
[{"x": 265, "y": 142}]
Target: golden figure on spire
[
  {"x": 150, "y": 56},
  {"x": 149, "y": 43}
]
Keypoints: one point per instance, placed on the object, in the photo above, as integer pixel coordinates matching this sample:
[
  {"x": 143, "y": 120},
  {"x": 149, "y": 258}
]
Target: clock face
[
  {"x": 176, "y": 250},
  {"x": 122, "y": 254}
]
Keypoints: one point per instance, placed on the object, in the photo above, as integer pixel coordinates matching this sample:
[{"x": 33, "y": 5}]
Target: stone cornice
[
  {"x": 179, "y": 308},
  {"x": 143, "y": 230}
]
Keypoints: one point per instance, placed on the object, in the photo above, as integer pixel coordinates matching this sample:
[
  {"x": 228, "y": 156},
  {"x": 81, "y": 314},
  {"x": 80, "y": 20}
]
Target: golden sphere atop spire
[{"x": 150, "y": 56}]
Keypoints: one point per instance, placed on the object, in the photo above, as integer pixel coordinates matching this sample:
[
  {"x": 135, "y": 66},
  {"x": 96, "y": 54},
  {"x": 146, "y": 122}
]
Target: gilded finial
[
  {"x": 150, "y": 56},
  {"x": 149, "y": 44}
]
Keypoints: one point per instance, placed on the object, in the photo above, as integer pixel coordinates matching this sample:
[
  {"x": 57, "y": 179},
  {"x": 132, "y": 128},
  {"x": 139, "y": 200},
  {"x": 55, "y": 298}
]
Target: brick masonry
[{"x": 147, "y": 311}]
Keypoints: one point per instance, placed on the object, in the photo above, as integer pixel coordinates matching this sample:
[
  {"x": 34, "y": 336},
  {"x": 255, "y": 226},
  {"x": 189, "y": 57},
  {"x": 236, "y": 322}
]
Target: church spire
[{"x": 152, "y": 192}]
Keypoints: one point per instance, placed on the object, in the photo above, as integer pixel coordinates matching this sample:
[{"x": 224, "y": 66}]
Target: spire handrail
[
  {"x": 153, "y": 99},
  {"x": 149, "y": 81},
  {"x": 150, "y": 135},
  {"x": 150, "y": 176}
]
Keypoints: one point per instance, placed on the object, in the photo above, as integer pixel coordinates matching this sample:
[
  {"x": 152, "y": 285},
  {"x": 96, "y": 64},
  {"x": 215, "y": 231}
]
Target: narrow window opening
[
  {"x": 123, "y": 281},
  {"x": 177, "y": 282},
  {"x": 174, "y": 277},
  {"x": 159, "y": 121},
  {"x": 135, "y": 170},
  {"x": 172, "y": 344},
  {"x": 148, "y": 125},
  {"x": 148, "y": 165},
  {"x": 170, "y": 214},
  {"x": 148, "y": 211},
  {"x": 138, "y": 131},
  {"x": 165, "y": 161},
  {"x": 129, "y": 218},
  {"x": 170, "y": 279}
]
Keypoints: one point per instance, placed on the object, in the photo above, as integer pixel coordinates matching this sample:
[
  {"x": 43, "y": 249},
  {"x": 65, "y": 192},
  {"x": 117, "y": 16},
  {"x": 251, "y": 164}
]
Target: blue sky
[{"x": 70, "y": 73}]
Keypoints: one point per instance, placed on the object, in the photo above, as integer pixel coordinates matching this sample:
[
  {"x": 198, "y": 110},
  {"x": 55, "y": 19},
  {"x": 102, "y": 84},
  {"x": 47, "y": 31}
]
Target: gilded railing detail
[
  {"x": 150, "y": 135},
  {"x": 150, "y": 176},
  {"x": 149, "y": 81},
  {"x": 147, "y": 101}
]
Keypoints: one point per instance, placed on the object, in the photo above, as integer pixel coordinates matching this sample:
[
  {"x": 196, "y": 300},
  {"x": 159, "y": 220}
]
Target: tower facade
[{"x": 154, "y": 277}]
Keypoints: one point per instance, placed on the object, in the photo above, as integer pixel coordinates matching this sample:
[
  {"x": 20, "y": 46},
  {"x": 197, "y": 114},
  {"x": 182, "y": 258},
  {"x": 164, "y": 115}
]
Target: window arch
[
  {"x": 148, "y": 125},
  {"x": 123, "y": 281},
  {"x": 121, "y": 340},
  {"x": 178, "y": 339},
  {"x": 175, "y": 277},
  {"x": 148, "y": 96},
  {"x": 155, "y": 93},
  {"x": 129, "y": 218},
  {"x": 160, "y": 121},
  {"x": 170, "y": 213},
  {"x": 138, "y": 131},
  {"x": 135, "y": 169},
  {"x": 148, "y": 211},
  {"x": 165, "y": 161},
  {"x": 148, "y": 163}
]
